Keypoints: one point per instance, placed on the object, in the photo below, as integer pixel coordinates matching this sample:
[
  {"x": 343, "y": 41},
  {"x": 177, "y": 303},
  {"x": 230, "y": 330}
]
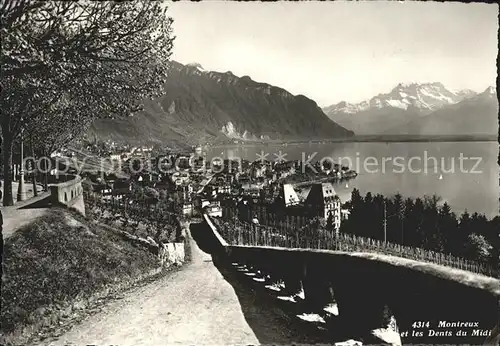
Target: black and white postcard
[{"x": 249, "y": 173}]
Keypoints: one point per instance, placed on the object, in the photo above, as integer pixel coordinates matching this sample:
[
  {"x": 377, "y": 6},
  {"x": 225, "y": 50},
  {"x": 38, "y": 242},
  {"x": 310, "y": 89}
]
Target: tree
[
  {"x": 356, "y": 200},
  {"x": 447, "y": 224},
  {"x": 464, "y": 229},
  {"x": 177, "y": 202},
  {"x": 355, "y": 207},
  {"x": 83, "y": 59},
  {"x": 163, "y": 194},
  {"x": 478, "y": 248},
  {"x": 368, "y": 198},
  {"x": 408, "y": 223},
  {"x": 1, "y": 215},
  {"x": 426, "y": 225},
  {"x": 146, "y": 196},
  {"x": 312, "y": 231},
  {"x": 60, "y": 126},
  {"x": 138, "y": 194},
  {"x": 162, "y": 223},
  {"x": 399, "y": 215},
  {"x": 415, "y": 226},
  {"x": 152, "y": 195},
  {"x": 432, "y": 238},
  {"x": 330, "y": 226},
  {"x": 493, "y": 237}
]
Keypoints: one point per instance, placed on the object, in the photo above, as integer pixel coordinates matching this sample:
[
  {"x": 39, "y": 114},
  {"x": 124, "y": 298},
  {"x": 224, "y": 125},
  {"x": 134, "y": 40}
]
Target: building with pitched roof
[
  {"x": 323, "y": 201},
  {"x": 289, "y": 195}
]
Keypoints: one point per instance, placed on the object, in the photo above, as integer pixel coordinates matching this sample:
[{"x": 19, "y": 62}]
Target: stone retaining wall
[{"x": 69, "y": 194}]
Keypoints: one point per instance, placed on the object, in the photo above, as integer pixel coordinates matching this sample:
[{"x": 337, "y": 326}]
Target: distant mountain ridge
[
  {"x": 201, "y": 106},
  {"x": 425, "y": 97},
  {"x": 477, "y": 115},
  {"x": 405, "y": 105}
]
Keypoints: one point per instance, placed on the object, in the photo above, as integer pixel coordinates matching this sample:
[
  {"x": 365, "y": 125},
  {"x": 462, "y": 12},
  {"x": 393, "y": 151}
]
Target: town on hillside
[
  {"x": 217, "y": 187},
  {"x": 142, "y": 202}
]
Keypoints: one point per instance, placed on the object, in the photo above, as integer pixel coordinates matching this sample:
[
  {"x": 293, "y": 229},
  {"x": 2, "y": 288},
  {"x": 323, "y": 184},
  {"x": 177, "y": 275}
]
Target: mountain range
[
  {"x": 200, "y": 106},
  {"x": 476, "y": 115},
  {"x": 421, "y": 109}
]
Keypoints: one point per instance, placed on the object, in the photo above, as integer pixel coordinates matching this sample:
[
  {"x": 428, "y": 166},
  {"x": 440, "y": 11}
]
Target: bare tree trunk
[
  {"x": 8, "y": 198},
  {"x": 1, "y": 197},
  {"x": 34, "y": 170},
  {"x": 45, "y": 173}
]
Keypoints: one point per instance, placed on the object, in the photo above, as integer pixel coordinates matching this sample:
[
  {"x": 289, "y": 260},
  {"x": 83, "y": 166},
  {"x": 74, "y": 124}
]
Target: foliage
[
  {"x": 423, "y": 222},
  {"x": 50, "y": 263},
  {"x": 479, "y": 247},
  {"x": 147, "y": 195},
  {"x": 65, "y": 64},
  {"x": 160, "y": 221},
  {"x": 164, "y": 223},
  {"x": 317, "y": 222},
  {"x": 329, "y": 226},
  {"x": 86, "y": 60},
  {"x": 243, "y": 233}
]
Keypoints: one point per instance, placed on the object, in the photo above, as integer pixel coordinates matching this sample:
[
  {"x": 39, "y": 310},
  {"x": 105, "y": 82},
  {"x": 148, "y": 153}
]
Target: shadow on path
[
  {"x": 267, "y": 320},
  {"x": 206, "y": 240},
  {"x": 24, "y": 212},
  {"x": 45, "y": 202}
]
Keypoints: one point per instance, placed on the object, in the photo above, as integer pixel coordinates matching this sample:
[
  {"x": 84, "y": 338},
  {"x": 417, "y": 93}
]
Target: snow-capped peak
[
  {"x": 489, "y": 93},
  {"x": 424, "y": 96},
  {"x": 404, "y": 85},
  {"x": 490, "y": 90},
  {"x": 348, "y": 108}
]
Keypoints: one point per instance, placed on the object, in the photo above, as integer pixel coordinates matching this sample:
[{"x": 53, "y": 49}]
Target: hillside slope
[
  {"x": 203, "y": 106},
  {"x": 57, "y": 266}
]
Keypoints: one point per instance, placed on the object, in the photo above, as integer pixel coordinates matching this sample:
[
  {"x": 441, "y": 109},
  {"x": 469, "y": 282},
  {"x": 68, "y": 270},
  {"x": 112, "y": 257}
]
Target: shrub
[{"x": 59, "y": 258}]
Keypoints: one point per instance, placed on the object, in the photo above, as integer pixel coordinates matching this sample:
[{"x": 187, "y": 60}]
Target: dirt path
[
  {"x": 22, "y": 213},
  {"x": 193, "y": 306}
]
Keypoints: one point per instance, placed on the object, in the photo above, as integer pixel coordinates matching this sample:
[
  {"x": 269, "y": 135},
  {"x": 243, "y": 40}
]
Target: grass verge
[{"x": 59, "y": 265}]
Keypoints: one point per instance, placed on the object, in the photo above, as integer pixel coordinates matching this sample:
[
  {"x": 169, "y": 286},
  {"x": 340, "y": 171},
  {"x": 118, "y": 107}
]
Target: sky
[{"x": 341, "y": 51}]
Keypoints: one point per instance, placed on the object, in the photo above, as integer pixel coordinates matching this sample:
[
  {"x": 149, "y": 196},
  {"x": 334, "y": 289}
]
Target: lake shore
[
  {"x": 367, "y": 139},
  {"x": 474, "y": 186}
]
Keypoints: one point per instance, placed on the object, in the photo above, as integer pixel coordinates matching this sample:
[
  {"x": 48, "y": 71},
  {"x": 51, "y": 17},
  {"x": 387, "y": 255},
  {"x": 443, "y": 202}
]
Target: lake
[{"x": 464, "y": 174}]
